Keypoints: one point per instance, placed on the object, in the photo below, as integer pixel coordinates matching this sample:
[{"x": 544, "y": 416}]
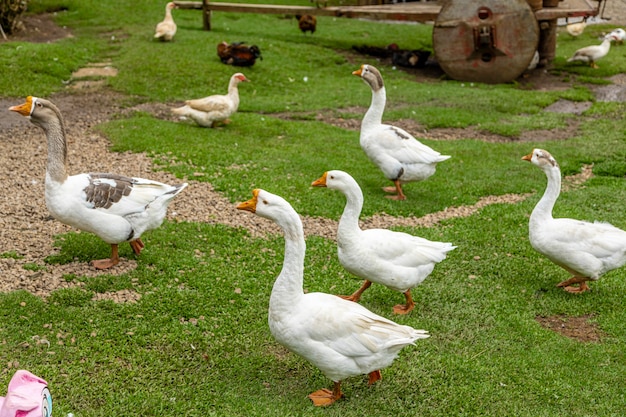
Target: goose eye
[
  {"x": 265, "y": 202},
  {"x": 332, "y": 177}
]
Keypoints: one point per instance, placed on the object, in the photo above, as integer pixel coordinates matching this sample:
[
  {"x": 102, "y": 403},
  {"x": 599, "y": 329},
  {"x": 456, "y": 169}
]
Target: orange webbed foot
[
  {"x": 104, "y": 263},
  {"x": 374, "y": 376},
  {"x": 137, "y": 246},
  {"x": 324, "y": 397},
  {"x": 402, "y": 309},
  {"x": 583, "y": 287},
  {"x": 107, "y": 263}
]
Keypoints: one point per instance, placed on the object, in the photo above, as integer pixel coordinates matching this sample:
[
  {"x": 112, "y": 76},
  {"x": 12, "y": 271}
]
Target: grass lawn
[{"x": 197, "y": 342}]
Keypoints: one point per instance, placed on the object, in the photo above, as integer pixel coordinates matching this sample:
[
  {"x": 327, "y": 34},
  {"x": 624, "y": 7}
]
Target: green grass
[{"x": 197, "y": 342}]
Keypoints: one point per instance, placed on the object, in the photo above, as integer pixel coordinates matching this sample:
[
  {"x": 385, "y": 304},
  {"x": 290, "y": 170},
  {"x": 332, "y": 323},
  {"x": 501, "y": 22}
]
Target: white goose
[
  {"x": 591, "y": 54},
  {"x": 216, "y": 108},
  {"x": 166, "y": 29},
  {"x": 619, "y": 35},
  {"x": 400, "y": 156},
  {"x": 396, "y": 260},
  {"x": 115, "y": 208},
  {"x": 341, "y": 338},
  {"x": 586, "y": 250}
]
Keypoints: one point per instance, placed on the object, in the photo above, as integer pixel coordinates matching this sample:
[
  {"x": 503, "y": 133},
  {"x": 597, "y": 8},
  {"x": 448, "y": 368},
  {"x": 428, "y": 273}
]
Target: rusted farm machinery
[{"x": 490, "y": 41}]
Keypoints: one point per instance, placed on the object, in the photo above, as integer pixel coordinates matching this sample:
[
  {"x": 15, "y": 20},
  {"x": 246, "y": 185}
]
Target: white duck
[
  {"x": 396, "y": 260},
  {"x": 115, "y": 208},
  {"x": 400, "y": 156},
  {"x": 577, "y": 29},
  {"x": 341, "y": 338},
  {"x": 586, "y": 250},
  {"x": 591, "y": 54},
  {"x": 619, "y": 35},
  {"x": 166, "y": 29},
  {"x": 216, "y": 108}
]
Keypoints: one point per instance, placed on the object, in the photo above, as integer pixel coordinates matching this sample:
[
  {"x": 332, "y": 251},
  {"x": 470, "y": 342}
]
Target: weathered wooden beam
[{"x": 414, "y": 11}]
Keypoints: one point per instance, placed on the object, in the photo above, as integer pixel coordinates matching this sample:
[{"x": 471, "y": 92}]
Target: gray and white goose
[
  {"x": 114, "y": 207},
  {"x": 400, "y": 156}
]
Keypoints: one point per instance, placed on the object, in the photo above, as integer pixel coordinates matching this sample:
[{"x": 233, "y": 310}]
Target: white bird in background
[
  {"x": 591, "y": 54},
  {"x": 166, "y": 29},
  {"x": 341, "y": 338},
  {"x": 209, "y": 110},
  {"x": 586, "y": 250},
  {"x": 619, "y": 35},
  {"x": 576, "y": 29}
]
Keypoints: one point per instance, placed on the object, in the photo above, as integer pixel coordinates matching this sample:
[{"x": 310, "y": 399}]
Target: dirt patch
[
  {"x": 39, "y": 28},
  {"x": 581, "y": 328}
]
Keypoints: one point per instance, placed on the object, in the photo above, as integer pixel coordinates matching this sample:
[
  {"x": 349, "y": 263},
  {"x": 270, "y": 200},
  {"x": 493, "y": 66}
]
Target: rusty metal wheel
[{"x": 490, "y": 41}]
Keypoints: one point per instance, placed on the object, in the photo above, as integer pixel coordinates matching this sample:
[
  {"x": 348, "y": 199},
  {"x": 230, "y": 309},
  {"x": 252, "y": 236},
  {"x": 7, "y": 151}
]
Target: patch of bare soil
[
  {"x": 581, "y": 328},
  {"x": 38, "y": 28}
]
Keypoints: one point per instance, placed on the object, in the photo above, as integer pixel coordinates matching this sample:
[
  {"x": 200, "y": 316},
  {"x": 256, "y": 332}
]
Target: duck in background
[
  {"x": 585, "y": 250},
  {"x": 576, "y": 29},
  {"x": 208, "y": 111},
  {"x": 115, "y": 208},
  {"x": 591, "y": 54},
  {"x": 400, "y": 156},
  {"x": 341, "y": 338},
  {"x": 619, "y": 35},
  {"x": 238, "y": 54},
  {"x": 397, "y": 260},
  {"x": 306, "y": 23},
  {"x": 166, "y": 29},
  {"x": 415, "y": 58}
]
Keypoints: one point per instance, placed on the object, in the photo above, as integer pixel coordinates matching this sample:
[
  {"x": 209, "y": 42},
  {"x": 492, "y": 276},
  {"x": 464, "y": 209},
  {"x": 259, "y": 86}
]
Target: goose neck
[
  {"x": 374, "y": 114},
  {"x": 288, "y": 286},
  {"x": 349, "y": 221},
  {"x": 57, "y": 149},
  {"x": 544, "y": 207}
]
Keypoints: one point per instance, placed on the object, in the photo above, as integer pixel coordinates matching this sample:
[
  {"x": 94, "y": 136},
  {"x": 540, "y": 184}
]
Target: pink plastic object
[{"x": 27, "y": 396}]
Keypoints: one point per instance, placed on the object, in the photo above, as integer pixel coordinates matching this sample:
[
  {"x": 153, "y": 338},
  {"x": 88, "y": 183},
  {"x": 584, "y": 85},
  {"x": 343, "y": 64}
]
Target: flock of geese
[{"x": 334, "y": 333}]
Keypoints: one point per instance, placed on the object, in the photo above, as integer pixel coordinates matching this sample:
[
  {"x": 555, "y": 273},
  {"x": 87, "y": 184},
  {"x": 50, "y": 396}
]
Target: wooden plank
[
  {"x": 415, "y": 12},
  {"x": 568, "y": 8}
]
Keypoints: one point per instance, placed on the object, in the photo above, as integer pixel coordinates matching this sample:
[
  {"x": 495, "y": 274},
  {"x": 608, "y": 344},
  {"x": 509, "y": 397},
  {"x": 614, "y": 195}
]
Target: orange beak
[
  {"x": 250, "y": 205},
  {"x": 527, "y": 157},
  {"x": 357, "y": 72},
  {"x": 24, "y": 109},
  {"x": 320, "y": 182}
]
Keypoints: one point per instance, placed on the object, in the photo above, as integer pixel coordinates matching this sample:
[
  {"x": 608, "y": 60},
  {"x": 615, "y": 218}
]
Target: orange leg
[
  {"x": 374, "y": 376},
  {"x": 107, "y": 263},
  {"x": 323, "y": 397},
  {"x": 582, "y": 287},
  {"x": 405, "y": 309},
  {"x": 137, "y": 245},
  {"x": 397, "y": 189},
  {"x": 357, "y": 294}
]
